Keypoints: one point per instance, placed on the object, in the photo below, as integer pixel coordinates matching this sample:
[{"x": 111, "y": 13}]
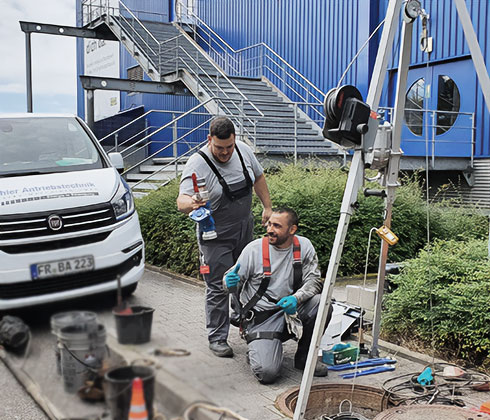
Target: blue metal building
[{"x": 446, "y": 117}]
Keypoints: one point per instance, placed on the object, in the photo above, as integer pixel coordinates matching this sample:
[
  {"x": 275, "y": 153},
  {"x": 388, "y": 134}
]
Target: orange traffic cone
[{"x": 137, "y": 410}]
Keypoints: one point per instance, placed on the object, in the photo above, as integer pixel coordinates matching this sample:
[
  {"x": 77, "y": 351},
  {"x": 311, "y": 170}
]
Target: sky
[{"x": 53, "y": 57}]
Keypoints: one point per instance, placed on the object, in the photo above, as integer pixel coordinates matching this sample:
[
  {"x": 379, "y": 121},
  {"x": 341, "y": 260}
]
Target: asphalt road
[{"x": 15, "y": 402}]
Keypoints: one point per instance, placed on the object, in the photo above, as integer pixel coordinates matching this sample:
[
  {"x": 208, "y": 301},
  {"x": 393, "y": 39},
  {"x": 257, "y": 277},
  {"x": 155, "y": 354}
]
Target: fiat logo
[{"x": 55, "y": 222}]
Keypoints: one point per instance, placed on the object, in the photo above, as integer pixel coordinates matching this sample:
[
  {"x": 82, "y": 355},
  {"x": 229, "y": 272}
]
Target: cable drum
[
  {"x": 346, "y": 116},
  {"x": 335, "y": 101}
]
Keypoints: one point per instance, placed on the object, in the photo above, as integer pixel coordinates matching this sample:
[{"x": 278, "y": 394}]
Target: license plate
[{"x": 62, "y": 267}]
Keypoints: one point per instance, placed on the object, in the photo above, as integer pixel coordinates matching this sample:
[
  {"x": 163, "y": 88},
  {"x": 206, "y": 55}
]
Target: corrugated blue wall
[
  {"x": 174, "y": 106},
  {"x": 154, "y": 10},
  {"x": 450, "y": 50},
  {"x": 318, "y": 38}
]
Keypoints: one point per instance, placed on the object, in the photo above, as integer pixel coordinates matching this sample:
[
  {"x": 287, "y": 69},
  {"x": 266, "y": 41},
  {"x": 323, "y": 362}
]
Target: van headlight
[{"x": 123, "y": 203}]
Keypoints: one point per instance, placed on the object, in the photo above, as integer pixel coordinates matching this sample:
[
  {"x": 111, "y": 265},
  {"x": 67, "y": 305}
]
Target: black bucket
[
  {"x": 134, "y": 328},
  {"x": 118, "y": 389}
]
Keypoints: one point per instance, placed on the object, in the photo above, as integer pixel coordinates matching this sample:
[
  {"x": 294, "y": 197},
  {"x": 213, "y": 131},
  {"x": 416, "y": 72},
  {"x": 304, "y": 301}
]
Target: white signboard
[{"x": 102, "y": 59}]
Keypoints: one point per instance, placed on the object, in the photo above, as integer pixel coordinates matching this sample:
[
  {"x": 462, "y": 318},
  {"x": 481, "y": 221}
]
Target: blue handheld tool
[
  {"x": 379, "y": 369},
  {"x": 364, "y": 363}
]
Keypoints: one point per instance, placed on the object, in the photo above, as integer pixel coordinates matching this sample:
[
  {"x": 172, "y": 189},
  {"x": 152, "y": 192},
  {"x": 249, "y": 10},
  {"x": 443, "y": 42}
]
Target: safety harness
[
  {"x": 232, "y": 195},
  {"x": 248, "y": 314}
]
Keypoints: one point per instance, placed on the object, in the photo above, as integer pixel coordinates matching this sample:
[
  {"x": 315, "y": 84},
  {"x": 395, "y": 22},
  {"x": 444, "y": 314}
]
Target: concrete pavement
[{"x": 179, "y": 323}]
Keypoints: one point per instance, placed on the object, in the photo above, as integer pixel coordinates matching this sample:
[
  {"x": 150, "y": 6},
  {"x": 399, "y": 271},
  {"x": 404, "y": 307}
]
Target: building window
[
  {"x": 447, "y": 100},
  {"x": 414, "y": 101}
]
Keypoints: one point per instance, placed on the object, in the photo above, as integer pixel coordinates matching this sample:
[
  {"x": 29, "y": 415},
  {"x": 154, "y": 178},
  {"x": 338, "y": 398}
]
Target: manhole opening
[{"x": 325, "y": 399}]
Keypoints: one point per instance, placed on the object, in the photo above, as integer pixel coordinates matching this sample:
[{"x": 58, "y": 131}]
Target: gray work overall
[{"x": 234, "y": 228}]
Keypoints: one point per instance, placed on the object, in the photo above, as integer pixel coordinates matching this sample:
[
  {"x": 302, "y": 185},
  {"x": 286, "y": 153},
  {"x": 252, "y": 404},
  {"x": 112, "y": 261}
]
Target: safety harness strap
[
  {"x": 226, "y": 189},
  {"x": 260, "y": 335},
  {"x": 264, "y": 284},
  {"x": 297, "y": 265}
]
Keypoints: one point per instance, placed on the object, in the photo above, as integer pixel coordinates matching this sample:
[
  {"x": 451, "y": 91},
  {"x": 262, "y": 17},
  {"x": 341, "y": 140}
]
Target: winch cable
[
  {"x": 359, "y": 52},
  {"x": 427, "y": 94},
  {"x": 361, "y": 318}
]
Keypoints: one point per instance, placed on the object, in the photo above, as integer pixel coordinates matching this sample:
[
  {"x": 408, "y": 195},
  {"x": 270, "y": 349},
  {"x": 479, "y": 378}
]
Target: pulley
[{"x": 346, "y": 116}]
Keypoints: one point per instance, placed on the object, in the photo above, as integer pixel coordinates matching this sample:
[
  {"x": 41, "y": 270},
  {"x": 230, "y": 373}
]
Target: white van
[{"x": 68, "y": 225}]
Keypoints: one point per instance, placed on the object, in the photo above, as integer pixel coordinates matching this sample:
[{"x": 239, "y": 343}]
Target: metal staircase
[{"x": 275, "y": 109}]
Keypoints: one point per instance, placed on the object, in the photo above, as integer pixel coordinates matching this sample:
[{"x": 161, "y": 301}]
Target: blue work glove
[
  {"x": 232, "y": 278},
  {"x": 288, "y": 304}
]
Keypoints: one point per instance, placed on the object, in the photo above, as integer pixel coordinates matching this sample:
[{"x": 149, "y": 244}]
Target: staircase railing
[
  {"x": 464, "y": 130},
  {"x": 190, "y": 135},
  {"x": 140, "y": 35},
  {"x": 255, "y": 61}
]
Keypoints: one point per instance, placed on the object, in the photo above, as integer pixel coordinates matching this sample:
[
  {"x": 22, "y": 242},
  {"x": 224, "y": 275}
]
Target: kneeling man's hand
[
  {"x": 232, "y": 278},
  {"x": 288, "y": 304}
]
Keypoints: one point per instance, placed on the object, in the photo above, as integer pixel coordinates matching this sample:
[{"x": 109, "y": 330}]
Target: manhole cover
[
  {"x": 430, "y": 412},
  {"x": 325, "y": 399}
]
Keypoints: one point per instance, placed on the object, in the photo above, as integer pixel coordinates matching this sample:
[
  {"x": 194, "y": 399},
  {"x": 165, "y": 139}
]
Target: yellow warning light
[{"x": 387, "y": 235}]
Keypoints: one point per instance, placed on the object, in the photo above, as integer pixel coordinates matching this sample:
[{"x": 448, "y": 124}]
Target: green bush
[
  {"x": 441, "y": 298},
  {"x": 170, "y": 236},
  {"x": 316, "y": 194}
]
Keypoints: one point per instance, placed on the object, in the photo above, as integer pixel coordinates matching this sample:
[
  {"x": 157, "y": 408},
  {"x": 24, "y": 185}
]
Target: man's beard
[{"x": 279, "y": 240}]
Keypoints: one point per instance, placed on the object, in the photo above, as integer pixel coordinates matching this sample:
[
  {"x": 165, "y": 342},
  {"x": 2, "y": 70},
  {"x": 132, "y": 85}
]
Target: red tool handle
[{"x": 194, "y": 182}]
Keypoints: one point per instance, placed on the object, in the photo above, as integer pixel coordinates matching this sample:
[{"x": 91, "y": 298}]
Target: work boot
[
  {"x": 321, "y": 369},
  {"x": 221, "y": 348}
]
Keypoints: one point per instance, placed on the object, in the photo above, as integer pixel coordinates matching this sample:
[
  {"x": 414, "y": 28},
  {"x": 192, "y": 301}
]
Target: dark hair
[
  {"x": 293, "y": 216},
  {"x": 221, "y": 127}
]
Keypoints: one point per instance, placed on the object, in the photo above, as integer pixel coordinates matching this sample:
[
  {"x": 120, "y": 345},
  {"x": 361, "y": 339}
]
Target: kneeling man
[{"x": 278, "y": 283}]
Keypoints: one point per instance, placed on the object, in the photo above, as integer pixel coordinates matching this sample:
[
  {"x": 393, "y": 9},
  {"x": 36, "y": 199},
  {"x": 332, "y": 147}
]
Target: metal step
[
  {"x": 146, "y": 169},
  {"x": 160, "y": 176}
]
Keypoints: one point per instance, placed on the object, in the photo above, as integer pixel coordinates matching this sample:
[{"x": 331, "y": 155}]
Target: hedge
[
  {"x": 316, "y": 194},
  {"x": 442, "y": 300}
]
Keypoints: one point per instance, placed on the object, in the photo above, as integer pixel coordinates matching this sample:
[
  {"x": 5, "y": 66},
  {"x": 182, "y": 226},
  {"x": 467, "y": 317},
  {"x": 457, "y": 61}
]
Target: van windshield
[{"x": 41, "y": 145}]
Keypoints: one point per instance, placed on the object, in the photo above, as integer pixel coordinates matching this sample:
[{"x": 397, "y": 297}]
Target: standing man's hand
[
  {"x": 266, "y": 214},
  {"x": 262, "y": 192},
  {"x": 197, "y": 202},
  {"x": 187, "y": 203}
]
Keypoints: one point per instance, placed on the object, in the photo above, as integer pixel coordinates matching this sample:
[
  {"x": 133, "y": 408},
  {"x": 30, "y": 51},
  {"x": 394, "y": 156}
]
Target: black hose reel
[{"x": 346, "y": 116}]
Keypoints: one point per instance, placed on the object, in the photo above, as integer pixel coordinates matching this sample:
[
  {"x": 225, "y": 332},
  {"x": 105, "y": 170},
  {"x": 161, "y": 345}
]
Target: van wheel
[{"x": 129, "y": 290}]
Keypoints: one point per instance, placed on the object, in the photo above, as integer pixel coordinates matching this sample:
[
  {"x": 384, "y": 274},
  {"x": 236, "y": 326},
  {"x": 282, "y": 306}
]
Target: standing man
[
  {"x": 230, "y": 170},
  {"x": 279, "y": 285}
]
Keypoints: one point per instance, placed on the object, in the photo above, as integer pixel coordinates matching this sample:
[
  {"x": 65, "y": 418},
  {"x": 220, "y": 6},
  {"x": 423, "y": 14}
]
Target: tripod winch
[{"x": 346, "y": 116}]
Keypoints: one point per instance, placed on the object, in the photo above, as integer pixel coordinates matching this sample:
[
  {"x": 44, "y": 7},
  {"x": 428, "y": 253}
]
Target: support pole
[
  {"x": 90, "y": 109},
  {"x": 391, "y": 173},
  {"x": 28, "y": 72}
]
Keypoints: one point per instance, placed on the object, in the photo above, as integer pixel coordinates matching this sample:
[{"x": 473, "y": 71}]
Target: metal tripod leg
[
  {"x": 391, "y": 172},
  {"x": 476, "y": 55},
  {"x": 354, "y": 183}
]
